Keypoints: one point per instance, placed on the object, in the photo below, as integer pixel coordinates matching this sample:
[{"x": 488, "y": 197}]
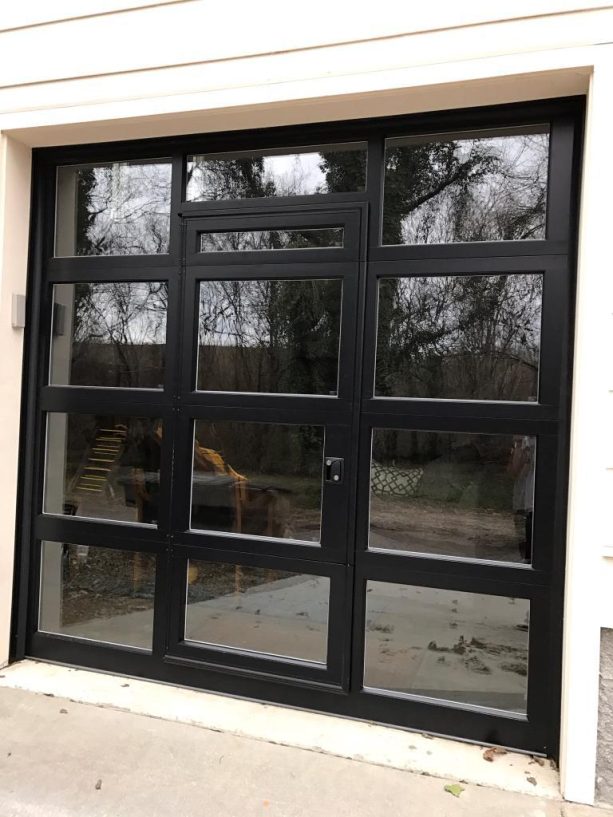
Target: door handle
[{"x": 335, "y": 468}]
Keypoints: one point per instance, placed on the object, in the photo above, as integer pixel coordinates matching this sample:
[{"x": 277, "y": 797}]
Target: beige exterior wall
[{"x": 73, "y": 72}]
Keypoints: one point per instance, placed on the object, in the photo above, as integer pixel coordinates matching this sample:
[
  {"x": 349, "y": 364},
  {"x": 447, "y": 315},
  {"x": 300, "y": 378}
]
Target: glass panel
[
  {"x": 256, "y": 240},
  {"x": 103, "y": 467},
  {"x": 475, "y": 337},
  {"x": 258, "y": 609},
  {"x": 472, "y": 186},
  {"x": 462, "y": 647},
  {"x": 97, "y": 593},
  {"x": 469, "y": 495},
  {"x": 110, "y": 334},
  {"x": 277, "y": 172},
  {"x": 258, "y": 479},
  {"x": 113, "y": 208},
  {"x": 269, "y": 336}
]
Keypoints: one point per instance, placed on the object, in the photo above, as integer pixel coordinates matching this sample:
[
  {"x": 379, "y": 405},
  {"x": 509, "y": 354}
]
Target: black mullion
[
  {"x": 491, "y": 579},
  {"x": 263, "y": 268},
  {"x": 476, "y": 250},
  {"x": 554, "y": 338},
  {"x": 560, "y": 178},
  {"x": 95, "y": 399},
  {"x": 99, "y": 533},
  {"x": 25, "y": 591},
  {"x": 96, "y": 267},
  {"x": 223, "y": 207},
  {"x": 78, "y": 270},
  {"x": 540, "y": 655},
  {"x": 270, "y": 409},
  {"x": 464, "y": 265},
  {"x": 453, "y": 418},
  {"x": 407, "y": 409}
]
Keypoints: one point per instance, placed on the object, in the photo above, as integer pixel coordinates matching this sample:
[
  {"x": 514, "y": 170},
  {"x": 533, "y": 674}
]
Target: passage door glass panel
[
  {"x": 258, "y": 479},
  {"x": 471, "y": 337},
  {"x": 98, "y": 593},
  {"x": 103, "y": 467},
  {"x": 258, "y": 609},
  {"x": 273, "y": 336},
  {"x": 113, "y": 208},
  {"x": 467, "y": 495},
  {"x": 308, "y": 238},
  {"x": 472, "y": 186},
  {"x": 464, "y": 647},
  {"x": 109, "y": 334}
]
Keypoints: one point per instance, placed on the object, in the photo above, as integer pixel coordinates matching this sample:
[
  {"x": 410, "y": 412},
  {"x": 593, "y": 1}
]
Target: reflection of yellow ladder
[{"x": 101, "y": 458}]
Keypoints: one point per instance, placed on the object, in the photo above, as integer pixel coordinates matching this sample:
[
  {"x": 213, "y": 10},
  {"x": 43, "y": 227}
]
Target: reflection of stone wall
[{"x": 604, "y": 766}]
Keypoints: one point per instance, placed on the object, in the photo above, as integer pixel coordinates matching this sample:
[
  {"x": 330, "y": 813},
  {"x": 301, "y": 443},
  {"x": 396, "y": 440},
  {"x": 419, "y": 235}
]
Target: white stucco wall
[{"x": 112, "y": 69}]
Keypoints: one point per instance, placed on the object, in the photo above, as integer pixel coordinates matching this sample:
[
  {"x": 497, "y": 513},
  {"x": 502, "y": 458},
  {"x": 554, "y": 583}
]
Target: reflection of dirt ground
[
  {"x": 81, "y": 606},
  {"x": 447, "y": 644},
  {"x": 429, "y": 527}
]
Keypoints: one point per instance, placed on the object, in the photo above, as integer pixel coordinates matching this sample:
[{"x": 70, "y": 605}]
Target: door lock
[{"x": 335, "y": 467}]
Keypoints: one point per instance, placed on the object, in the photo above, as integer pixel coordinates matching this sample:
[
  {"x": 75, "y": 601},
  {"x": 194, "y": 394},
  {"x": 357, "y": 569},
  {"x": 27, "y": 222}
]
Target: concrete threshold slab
[{"x": 357, "y": 740}]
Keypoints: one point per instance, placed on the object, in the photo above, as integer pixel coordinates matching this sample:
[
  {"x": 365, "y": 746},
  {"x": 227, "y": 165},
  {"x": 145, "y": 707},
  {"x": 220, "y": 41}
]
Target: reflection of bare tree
[
  {"x": 269, "y": 336},
  {"x": 257, "y": 240},
  {"x": 123, "y": 208},
  {"x": 119, "y": 332},
  {"x": 464, "y": 337},
  {"x": 334, "y": 169},
  {"x": 466, "y": 189}
]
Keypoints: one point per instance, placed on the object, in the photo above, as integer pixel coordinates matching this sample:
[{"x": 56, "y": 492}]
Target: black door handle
[{"x": 335, "y": 467}]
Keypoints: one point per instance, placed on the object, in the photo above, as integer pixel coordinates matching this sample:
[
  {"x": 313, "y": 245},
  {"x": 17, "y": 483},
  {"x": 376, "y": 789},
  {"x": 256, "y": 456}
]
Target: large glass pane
[
  {"x": 258, "y": 479},
  {"x": 469, "y": 495},
  {"x": 110, "y": 334},
  {"x": 258, "y": 609},
  {"x": 463, "y": 647},
  {"x": 472, "y": 337},
  {"x": 113, "y": 208},
  {"x": 277, "y": 172},
  {"x": 103, "y": 467},
  {"x": 308, "y": 238},
  {"x": 269, "y": 336},
  {"x": 97, "y": 593},
  {"x": 471, "y": 186}
]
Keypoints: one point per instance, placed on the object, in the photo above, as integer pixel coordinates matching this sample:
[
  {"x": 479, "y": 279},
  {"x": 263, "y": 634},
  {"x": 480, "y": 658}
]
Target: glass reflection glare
[
  {"x": 109, "y": 334},
  {"x": 277, "y": 172},
  {"x": 258, "y": 609},
  {"x": 258, "y": 479},
  {"x": 113, "y": 208},
  {"x": 103, "y": 467},
  {"x": 99, "y": 593},
  {"x": 471, "y": 337},
  {"x": 468, "y": 495},
  {"x": 467, "y": 648},
  {"x": 466, "y": 187},
  {"x": 275, "y": 336}
]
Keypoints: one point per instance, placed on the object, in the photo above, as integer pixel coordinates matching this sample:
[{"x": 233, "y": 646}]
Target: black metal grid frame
[{"x": 344, "y": 557}]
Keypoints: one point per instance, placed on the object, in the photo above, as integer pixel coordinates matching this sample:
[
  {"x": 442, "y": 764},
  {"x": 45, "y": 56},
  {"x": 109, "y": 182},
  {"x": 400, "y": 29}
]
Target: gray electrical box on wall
[{"x": 18, "y": 311}]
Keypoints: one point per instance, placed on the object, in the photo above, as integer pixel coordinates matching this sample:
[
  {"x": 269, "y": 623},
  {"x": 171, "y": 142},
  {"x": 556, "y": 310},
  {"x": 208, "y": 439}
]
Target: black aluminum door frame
[
  {"x": 334, "y": 413},
  {"x": 543, "y": 584}
]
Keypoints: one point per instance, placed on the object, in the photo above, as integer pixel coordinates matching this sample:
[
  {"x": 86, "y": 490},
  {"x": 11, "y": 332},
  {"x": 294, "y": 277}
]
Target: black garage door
[{"x": 296, "y": 425}]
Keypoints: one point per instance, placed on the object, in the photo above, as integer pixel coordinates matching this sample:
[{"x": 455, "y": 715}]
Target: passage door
[{"x": 263, "y": 461}]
